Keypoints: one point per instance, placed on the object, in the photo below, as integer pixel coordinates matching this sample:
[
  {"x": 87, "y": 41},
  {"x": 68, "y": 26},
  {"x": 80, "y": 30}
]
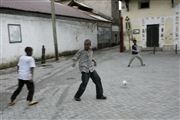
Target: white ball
[{"x": 124, "y": 82}]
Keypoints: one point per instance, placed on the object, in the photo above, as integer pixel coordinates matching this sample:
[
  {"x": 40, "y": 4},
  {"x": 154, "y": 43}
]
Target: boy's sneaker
[
  {"x": 32, "y": 103},
  {"x": 77, "y": 99},
  {"x": 128, "y": 65},
  {"x": 143, "y": 65},
  {"x": 101, "y": 98},
  {"x": 12, "y": 103}
]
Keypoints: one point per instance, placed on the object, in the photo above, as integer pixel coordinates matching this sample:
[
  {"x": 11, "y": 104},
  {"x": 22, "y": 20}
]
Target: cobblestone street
[{"x": 152, "y": 91}]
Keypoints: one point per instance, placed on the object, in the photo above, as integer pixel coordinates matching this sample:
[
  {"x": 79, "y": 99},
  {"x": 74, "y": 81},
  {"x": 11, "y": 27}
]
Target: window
[
  {"x": 14, "y": 31},
  {"x": 144, "y": 4}
]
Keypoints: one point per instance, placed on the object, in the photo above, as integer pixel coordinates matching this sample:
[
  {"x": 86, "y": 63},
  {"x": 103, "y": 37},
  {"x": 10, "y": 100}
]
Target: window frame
[
  {"x": 141, "y": 2},
  {"x": 14, "y": 30}
]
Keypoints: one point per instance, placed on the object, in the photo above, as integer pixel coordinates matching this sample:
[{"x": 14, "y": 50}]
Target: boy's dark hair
[
  {"x": 134, "y": 40},
  {"x": 87, "y": 41},
  {"x": 28, "y": 49}
]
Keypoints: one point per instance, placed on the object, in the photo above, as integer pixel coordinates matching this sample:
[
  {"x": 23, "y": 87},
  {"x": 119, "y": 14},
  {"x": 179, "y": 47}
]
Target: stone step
[{"x": 151, "y": 49}]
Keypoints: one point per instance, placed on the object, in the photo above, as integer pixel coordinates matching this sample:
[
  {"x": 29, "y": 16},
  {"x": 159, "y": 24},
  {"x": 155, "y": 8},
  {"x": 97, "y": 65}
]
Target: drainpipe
[
  {"x": 121, "y": 35},
  {"x": 121, "y": 40},
  {"x": 172, "y": 1}
]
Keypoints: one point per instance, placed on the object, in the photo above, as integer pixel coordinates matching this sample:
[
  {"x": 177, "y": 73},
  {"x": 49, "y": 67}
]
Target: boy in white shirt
[{"x": 25, "y": 70}]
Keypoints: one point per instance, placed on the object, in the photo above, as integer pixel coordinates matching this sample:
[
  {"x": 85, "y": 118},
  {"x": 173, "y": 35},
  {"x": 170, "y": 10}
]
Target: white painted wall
[
  {"x": 71, "y": 35},
  {"x": 1, "y": 38},
  {"x": 179, "y": 27},
  {"x": 37, "y": 31}
]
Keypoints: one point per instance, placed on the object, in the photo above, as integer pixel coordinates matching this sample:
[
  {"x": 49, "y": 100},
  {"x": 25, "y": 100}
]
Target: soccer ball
[{"x": 124, "y": 83}]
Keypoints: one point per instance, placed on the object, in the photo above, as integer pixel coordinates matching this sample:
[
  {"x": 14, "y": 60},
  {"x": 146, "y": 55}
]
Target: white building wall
[
  {"x": 179, "y": 27},
  {"x": 37, "y": 31},
  {"x": 1, "y": 38},
  {"x": 71, "y": 34}
]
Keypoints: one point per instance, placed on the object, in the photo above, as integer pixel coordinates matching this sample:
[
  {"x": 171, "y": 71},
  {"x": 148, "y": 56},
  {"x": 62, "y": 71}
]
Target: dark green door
[{"x": 153, "y": 35}]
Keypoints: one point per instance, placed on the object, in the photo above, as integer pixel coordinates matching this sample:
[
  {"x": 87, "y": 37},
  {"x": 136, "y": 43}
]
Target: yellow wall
[
  {"x": 160, "y": 12},
  {"x": 168, "y": 32}
]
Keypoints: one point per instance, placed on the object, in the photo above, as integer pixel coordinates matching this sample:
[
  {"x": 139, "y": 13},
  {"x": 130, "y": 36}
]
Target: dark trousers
[
  {"x": 85, "y": 78},
  {"x": 30, "y": 87}
]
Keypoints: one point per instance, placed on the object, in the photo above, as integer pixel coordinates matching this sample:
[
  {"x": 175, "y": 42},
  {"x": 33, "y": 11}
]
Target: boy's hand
[
  {"x": 31, "y": 80},
  {"x": 95, "y": 64},
  {"x": 74, "y": 64}
]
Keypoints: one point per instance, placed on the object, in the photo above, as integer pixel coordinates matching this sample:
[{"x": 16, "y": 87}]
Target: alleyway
[{"x": 152, "y": 91}]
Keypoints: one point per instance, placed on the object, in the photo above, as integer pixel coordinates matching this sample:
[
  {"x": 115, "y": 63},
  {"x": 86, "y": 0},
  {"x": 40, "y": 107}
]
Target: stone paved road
[{"x": 152, "y": 91}]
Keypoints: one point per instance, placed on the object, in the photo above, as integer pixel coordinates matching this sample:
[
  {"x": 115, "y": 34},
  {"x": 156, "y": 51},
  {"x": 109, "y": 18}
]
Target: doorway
[{"x": 152, "y": 35}]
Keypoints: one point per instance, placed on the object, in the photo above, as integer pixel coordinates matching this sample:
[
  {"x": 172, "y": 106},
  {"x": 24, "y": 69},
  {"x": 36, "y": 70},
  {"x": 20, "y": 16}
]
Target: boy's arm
[
  {"x": 17, "y": 68},
  {"x": 32, "y": 72},
  {"x": 76, "y": 58},
  {"x": 32, "y": 66},
  {"x": 94, "y": 62},
  {"x": 18, "y": 65},
  {"x": 93, "y": 59},
  {"x": 134, "y": 49}
]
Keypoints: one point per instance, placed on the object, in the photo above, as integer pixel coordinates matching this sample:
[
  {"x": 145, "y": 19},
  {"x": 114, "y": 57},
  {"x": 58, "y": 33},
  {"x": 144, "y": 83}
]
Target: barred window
[{"x": 144, "y": 4}]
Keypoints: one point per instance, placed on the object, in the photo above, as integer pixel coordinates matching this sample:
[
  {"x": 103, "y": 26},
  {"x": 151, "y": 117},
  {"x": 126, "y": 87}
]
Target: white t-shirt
[{"x": 25, "y": 64}]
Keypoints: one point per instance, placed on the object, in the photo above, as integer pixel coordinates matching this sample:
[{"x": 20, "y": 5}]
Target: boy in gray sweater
[{"x": 86, "y": 67}]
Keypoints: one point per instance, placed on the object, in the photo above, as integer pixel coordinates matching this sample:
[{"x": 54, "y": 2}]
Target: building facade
[
  {"x": 108, "y": 9},
  {"x": 23, "y": 24},
  {"x": 154, "y": 23}
]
